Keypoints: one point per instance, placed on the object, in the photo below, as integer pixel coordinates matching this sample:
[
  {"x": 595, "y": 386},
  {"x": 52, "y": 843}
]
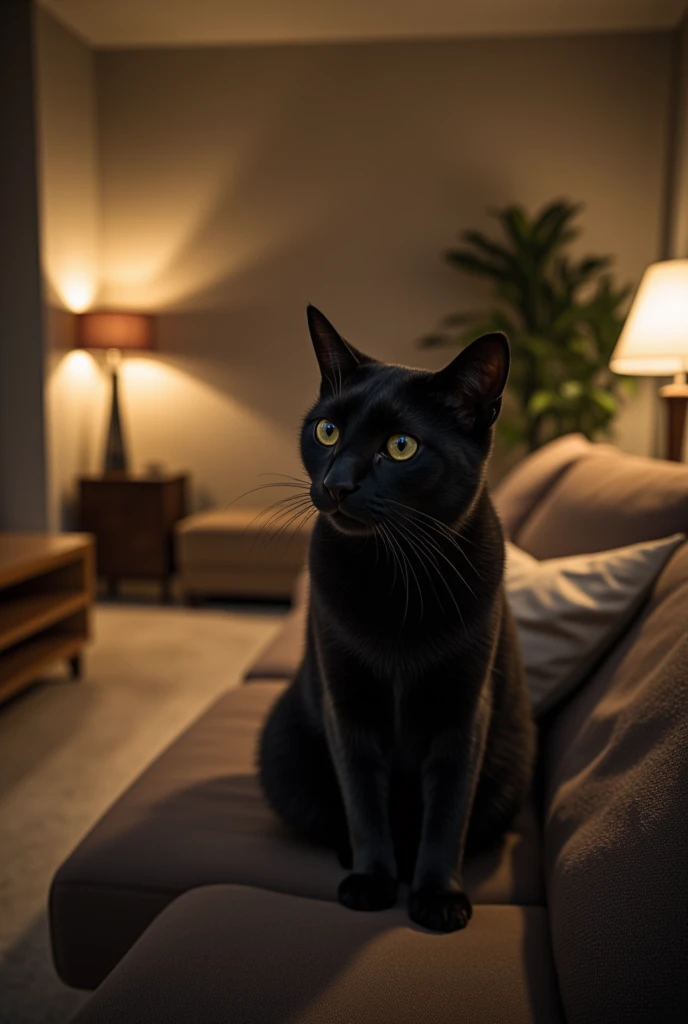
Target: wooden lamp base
[{"x": 676, "y": 402}]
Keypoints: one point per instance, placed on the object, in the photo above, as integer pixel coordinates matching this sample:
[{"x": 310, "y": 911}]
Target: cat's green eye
[
  {"x": 326, "y": 432},
  {"x": 402, "y": 447}
]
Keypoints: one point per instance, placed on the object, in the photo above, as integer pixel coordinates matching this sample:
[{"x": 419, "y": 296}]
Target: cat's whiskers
[
  {"x": 429, "y": 541},
  {"x": 263, "y": 487},
  {"x": 293, "y": 506},
  {"x": 297, "y": 515},
  {"x": 268, "y": 538},
  {"x": 452, "y": 536},
  {"x": 399, "y": 557},
  {"x": 448, "y": 530},
  {"x": 275, "y": 504},
  {"x": 419, "y": 553},
  {"x": 385, "y": 544},
  {"x": 390, "y": 552},
  {"x": 404, "y": 536},
  {"x": 301, "y": 480},
  {"x": 428, "y": 554}
]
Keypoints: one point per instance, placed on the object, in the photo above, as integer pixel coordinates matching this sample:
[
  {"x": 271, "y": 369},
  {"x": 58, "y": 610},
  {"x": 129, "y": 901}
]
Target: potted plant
[{"x": 562, "y": 316}]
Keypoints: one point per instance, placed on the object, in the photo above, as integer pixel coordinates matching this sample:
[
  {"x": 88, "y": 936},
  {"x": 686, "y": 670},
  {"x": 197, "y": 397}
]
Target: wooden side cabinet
[
  {"x": 133, "y": 520},
  {"x": 46, "y": 595}
]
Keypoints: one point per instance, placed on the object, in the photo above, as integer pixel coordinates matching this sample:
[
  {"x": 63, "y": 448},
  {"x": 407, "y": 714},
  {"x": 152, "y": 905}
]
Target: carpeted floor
[{"x": 67, "y": 749}]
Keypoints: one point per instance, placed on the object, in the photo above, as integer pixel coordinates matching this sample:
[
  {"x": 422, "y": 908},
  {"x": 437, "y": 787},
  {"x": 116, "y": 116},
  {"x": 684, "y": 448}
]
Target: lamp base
[
  {"x": 115, "y": 452},
  {"x": 676, "y": 402}
]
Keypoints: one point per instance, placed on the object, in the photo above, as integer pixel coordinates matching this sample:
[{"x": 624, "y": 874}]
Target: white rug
[{"x": 68, "y": 749}]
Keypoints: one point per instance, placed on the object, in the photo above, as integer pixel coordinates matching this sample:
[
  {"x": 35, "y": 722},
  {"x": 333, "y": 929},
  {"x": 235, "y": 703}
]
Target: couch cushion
[
  {"x": 617, "y": 822},
  {"x": 231, "y": 953},
  {"x": 282, "y": 656},
  {"x": 196, "y": 817},
  {"x": 607, "y": 502},
  {"x": 525, "y": 486}
]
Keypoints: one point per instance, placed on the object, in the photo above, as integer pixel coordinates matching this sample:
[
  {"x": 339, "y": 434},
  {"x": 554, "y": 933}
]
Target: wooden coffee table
[{"x": 46, "y": 594}]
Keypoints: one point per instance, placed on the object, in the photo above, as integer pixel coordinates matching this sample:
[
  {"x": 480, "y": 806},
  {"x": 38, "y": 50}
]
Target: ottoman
[{"x": 238, "y": 553}]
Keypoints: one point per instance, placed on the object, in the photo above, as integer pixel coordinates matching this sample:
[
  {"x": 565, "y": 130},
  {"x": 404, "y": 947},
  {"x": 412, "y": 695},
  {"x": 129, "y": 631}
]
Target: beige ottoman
[{"x": 231, "y": 553}]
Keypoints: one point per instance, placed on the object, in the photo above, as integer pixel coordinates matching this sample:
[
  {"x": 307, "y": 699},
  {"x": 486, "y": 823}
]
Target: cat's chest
[{"x": 406, "y": 728}]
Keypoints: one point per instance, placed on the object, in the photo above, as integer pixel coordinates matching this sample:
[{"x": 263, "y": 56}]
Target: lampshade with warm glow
[
  {"x": 114, "y": 330},
  {"x": 654, "y": 341}
]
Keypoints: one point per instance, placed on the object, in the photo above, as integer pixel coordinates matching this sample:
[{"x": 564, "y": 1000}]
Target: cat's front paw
[
  {"x": 440, "y": 911},
  {"x": 368, "y": 892}
]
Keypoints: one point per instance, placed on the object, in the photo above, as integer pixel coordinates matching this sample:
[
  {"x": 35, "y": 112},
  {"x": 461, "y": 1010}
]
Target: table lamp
[
  {"x": 654, "y": 341},
  {"x": 114, "y": 332}
]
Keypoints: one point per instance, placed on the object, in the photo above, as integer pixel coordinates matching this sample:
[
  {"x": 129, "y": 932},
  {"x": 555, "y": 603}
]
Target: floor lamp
[
  {"x": 654, "y": 342},
  {"x": 115, "y": 333}
]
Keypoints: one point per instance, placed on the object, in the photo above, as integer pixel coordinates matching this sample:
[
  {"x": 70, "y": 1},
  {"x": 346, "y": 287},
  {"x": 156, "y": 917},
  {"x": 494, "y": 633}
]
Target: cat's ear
[
  {"x": 475, "y": 380},
  {"x": 336, "y": 357}
]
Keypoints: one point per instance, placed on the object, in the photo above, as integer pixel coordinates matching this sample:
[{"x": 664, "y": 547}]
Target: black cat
[{"x": 406, "y": 736}]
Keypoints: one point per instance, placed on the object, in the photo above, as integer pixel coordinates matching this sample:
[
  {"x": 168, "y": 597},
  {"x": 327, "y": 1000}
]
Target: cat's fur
[{"x": 406, "y": 736}]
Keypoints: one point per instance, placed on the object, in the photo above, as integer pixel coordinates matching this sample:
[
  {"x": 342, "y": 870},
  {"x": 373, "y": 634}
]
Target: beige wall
[
  {"x": 70, "y": 244},
  {"x": 238, "y": 184},
  {"x": 679, "y": 213}
]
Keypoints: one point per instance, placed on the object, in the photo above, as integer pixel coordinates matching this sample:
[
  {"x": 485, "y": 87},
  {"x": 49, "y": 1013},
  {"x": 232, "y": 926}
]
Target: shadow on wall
[{"x": 240, "y": 184}]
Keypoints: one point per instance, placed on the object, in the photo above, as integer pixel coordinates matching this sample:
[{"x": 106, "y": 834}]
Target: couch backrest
[
  {"x": 615, "y": 757},
  {"x": 518, "y": 494}
]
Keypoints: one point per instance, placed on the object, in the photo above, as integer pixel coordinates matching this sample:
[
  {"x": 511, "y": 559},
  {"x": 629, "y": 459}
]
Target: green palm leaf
[{"x": 562, "y": 315}]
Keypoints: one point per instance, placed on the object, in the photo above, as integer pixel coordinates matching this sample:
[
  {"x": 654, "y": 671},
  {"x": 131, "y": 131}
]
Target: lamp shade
[
  {"x": 114, "y": 330},
  {"x": 654, "y": 340}
]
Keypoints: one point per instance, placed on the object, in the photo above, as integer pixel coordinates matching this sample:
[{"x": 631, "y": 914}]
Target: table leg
[{"x": 76, "y": 666}]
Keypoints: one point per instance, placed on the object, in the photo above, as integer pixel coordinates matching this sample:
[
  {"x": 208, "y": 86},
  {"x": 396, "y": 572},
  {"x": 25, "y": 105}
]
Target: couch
[{"x": 188, "y": 901}]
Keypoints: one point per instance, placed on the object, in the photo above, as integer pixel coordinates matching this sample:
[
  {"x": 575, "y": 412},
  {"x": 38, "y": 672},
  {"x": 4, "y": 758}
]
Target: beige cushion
[
  {"x": 569, "y": 611},
  {"x": 616, "y": 760},
  {"x": 232, "y": 954},
  {"x": 197, "y": 816}
]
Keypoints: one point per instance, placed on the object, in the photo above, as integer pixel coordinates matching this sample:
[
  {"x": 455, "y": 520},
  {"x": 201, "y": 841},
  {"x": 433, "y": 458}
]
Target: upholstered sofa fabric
[
  {"x": 607, "y": 501},
  {"x": 197, "y": 817},
  {"x": 231, "y": 954},
  {"x": 282, "y": 656},
  {"x": 608, "y": 904},
  {"x": 617, "y": 823},
  {"x": 522, "y": 490}
]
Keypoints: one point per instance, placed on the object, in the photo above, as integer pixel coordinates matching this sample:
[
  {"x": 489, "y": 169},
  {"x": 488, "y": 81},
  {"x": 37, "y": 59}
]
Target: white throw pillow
[{"x": 569, "y": 611}]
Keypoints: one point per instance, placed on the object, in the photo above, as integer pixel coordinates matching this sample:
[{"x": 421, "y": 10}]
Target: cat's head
[{"x": 384, "y": 442}]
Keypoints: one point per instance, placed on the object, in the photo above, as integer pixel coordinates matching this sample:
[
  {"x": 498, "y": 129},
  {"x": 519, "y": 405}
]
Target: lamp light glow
[
  {"x": 654, "y": 340},
  {"x": 77, "y": 291}
]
